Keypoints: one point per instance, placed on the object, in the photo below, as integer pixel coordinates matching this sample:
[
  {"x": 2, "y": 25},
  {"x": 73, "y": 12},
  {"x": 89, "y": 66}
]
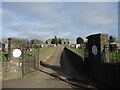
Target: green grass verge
[
  {"x": 77, "y": 50},
  {"x": 36, "y": 51},
  {"x": 114, "y": 57},
  {"x": 3, "y": 56}
]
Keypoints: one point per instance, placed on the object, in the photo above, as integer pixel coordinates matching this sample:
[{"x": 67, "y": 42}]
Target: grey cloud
[
  {"x": 67, "y": 20},
  {"x": 29, "y": 34},
  {"x": 29, "y": 25},
  {"x": 35, "y": 10}
]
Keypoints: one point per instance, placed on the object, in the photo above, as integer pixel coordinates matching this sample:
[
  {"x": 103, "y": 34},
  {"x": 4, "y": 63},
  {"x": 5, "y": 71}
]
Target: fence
[
  {"x": 85, "y": 51},
  {"x": 103, "y": 62},
  {"x": 114, "y": 56},
  {"x": 30, "y": 63}
]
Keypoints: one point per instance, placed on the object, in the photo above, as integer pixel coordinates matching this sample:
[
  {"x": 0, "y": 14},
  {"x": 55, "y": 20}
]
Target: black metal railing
[
  {"x": 85, "y": 51},
  {"x": 114, "y": 56}
]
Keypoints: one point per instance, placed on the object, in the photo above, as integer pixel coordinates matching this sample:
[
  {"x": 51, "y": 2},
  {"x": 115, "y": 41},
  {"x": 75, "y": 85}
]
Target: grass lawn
[
  {"x": 3, "y": 56},
  {"x": 41, "y": 50},
  {"x": 114, "y": 57},
  {"x": 77, "y": 50}
]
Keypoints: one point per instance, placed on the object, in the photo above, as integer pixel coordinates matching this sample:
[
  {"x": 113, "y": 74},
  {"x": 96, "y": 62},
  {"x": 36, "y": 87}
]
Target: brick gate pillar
[{"x": 98, "y": 48}]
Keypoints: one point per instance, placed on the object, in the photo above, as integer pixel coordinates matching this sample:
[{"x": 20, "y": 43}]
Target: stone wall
[
  {"x": 99, "y": 67},
  {"x": 98, "y": 43},
  {"x": 16, "y": 43},
  {"x": 11, "y": 70},
  {"x": 76, "y": 59},
  {"x": 106, "y": 74},
  {"x": 17, "y": 67}
]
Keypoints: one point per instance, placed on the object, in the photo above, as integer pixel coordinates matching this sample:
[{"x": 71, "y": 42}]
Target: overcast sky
[{"x": 44, "y": 20}]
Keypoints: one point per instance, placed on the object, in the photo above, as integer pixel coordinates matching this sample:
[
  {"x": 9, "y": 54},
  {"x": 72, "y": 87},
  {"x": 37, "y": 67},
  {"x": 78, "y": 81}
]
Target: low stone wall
[
  {"x": 11, "y": 70},
  {"x": 19, "y": 67},
  {"x": 77, "y": 60},
  {"x": 106, "y": 74}
]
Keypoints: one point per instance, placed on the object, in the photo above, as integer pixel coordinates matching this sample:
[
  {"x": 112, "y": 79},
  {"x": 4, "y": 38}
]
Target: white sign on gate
[
  {"x": 94, "y": 50},
  {"x": 17, "y": 53}
]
